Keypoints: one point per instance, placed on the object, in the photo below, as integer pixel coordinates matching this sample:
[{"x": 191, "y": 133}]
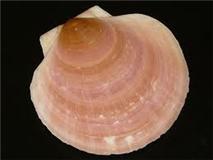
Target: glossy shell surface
[{"x": 110, "y": 84}]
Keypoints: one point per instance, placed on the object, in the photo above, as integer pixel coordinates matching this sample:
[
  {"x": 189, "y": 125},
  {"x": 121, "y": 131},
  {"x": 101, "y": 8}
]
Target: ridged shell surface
[{"x": 111, "y": 85}]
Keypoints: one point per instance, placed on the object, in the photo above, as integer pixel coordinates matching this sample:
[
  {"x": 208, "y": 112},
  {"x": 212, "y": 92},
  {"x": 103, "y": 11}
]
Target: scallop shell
[{"x": 109, "y": 84}]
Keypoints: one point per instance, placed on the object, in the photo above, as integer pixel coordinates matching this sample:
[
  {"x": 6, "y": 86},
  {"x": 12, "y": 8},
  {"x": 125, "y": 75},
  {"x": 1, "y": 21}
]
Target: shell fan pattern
[{"x": 109, "y": 84}]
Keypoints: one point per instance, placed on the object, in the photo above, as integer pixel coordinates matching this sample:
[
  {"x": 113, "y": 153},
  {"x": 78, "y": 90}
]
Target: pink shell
[{"x": 111, "y": 85}]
